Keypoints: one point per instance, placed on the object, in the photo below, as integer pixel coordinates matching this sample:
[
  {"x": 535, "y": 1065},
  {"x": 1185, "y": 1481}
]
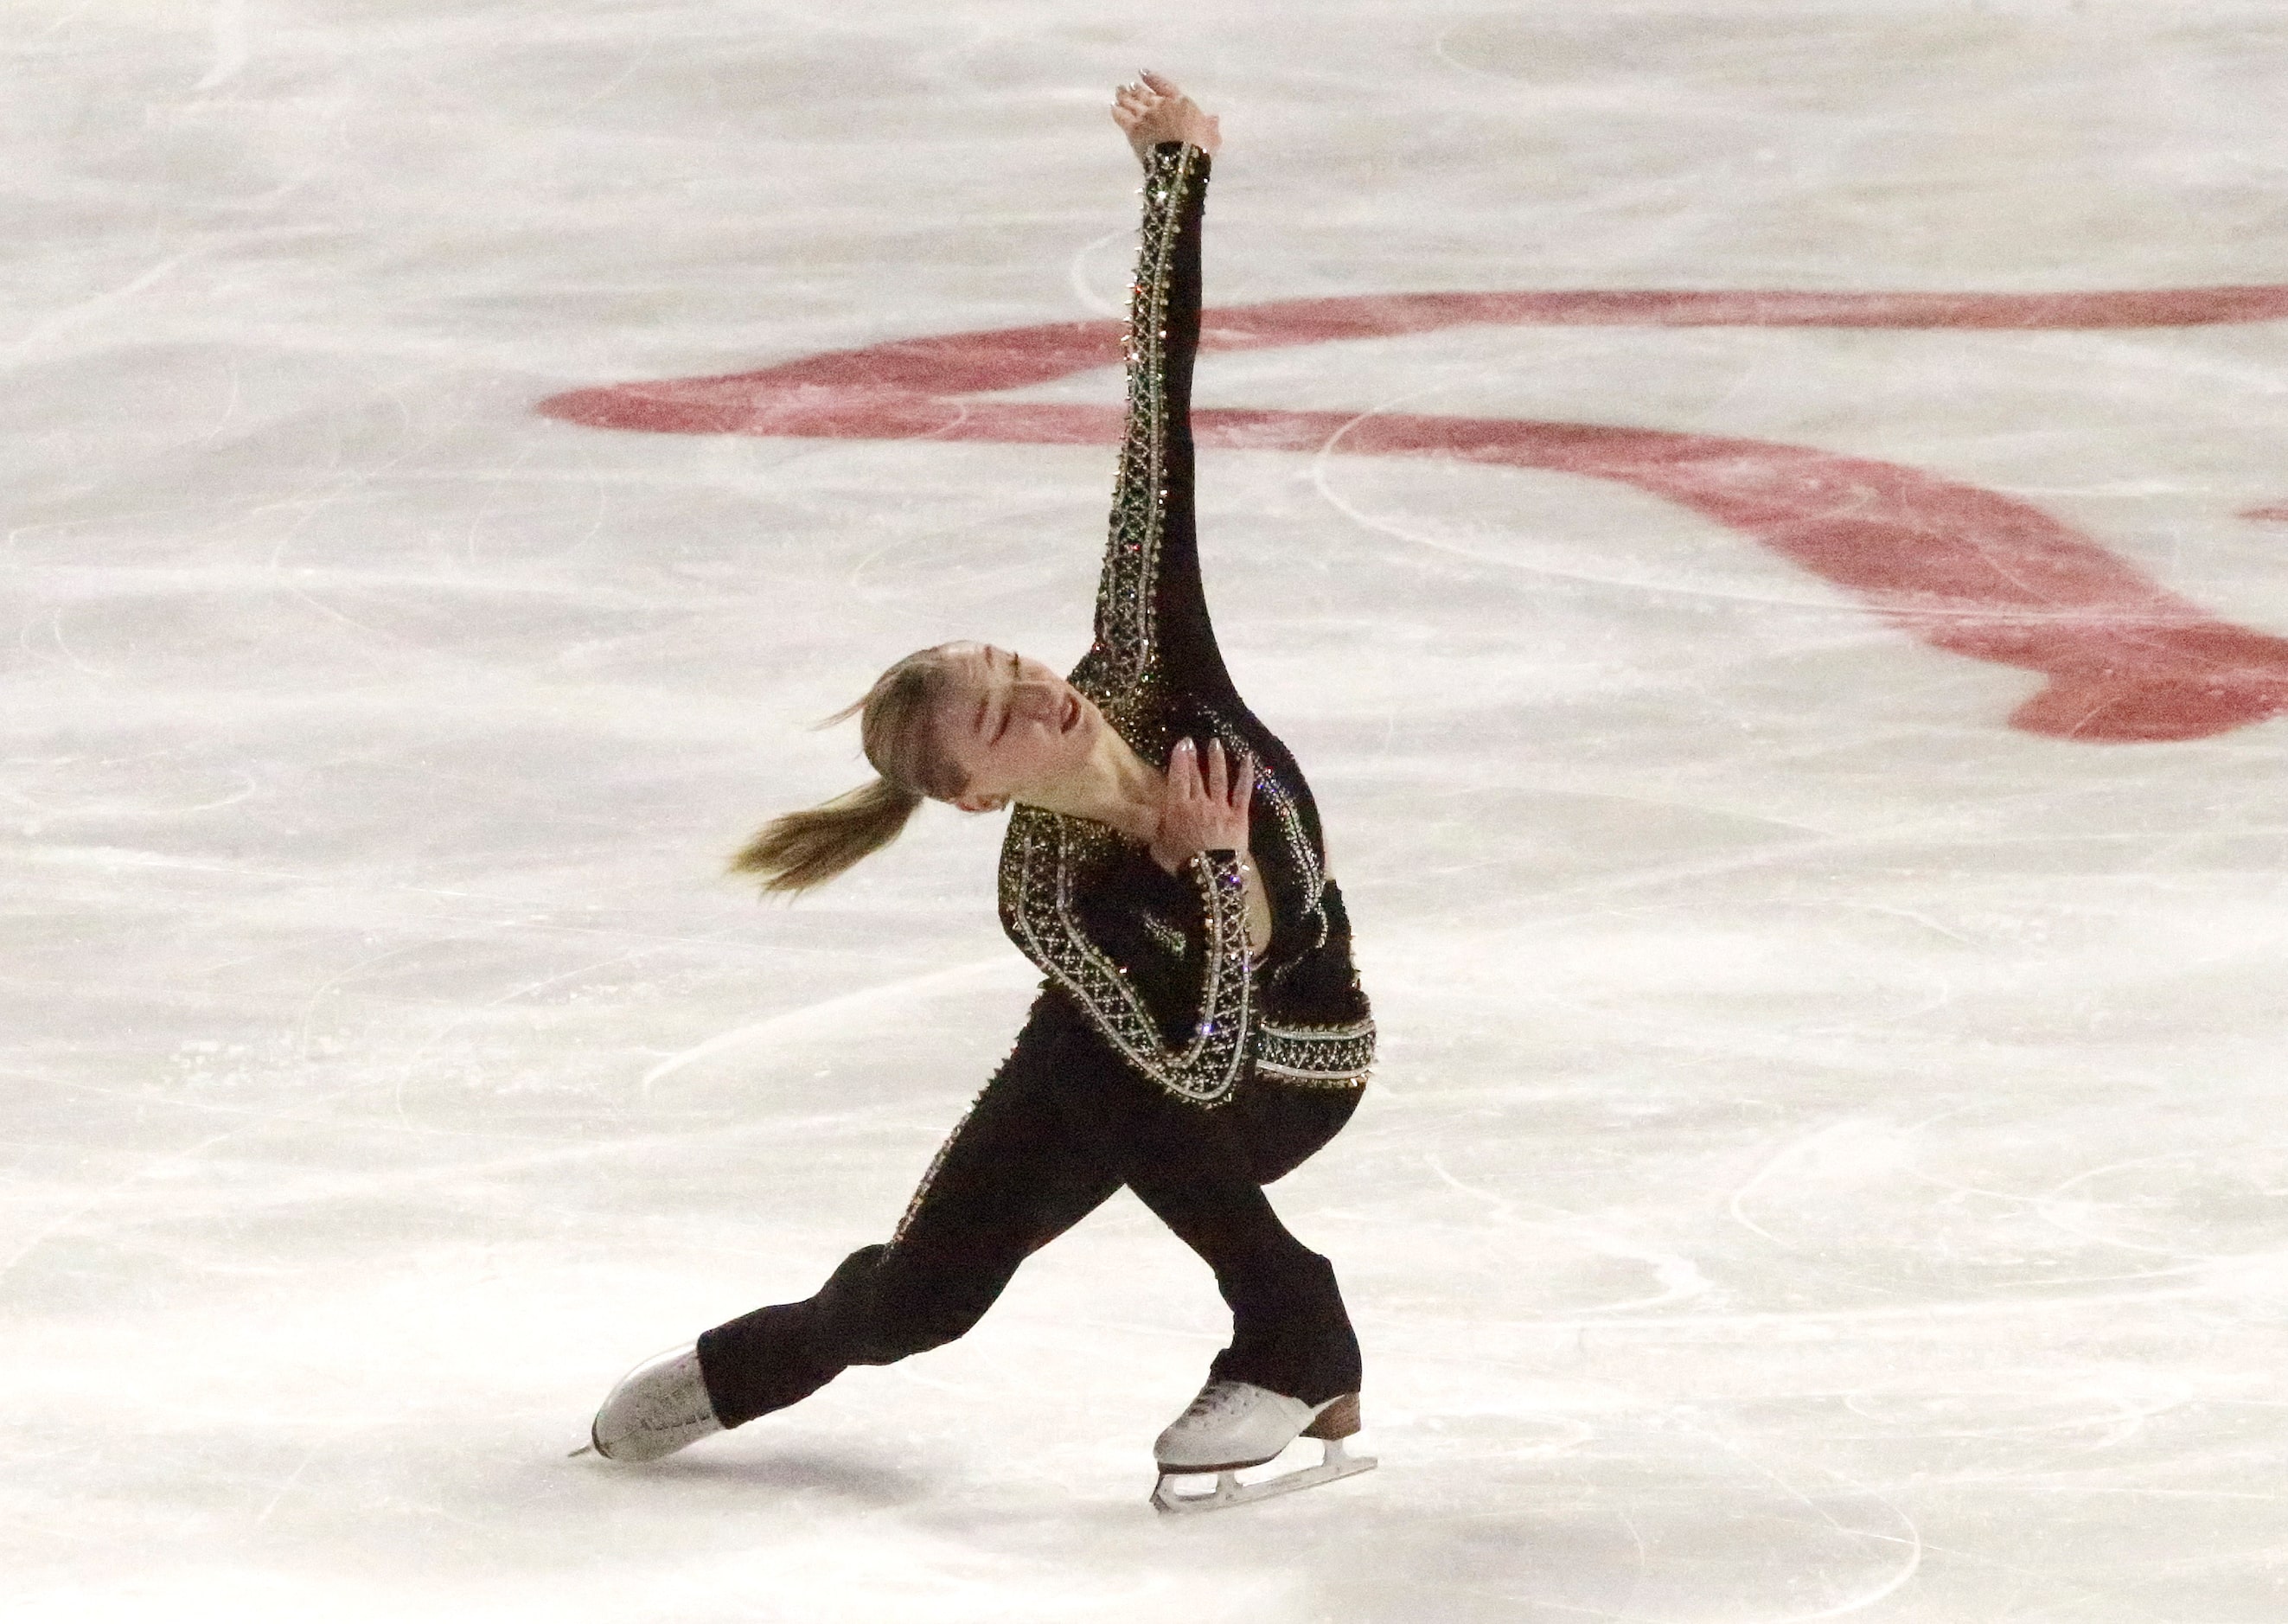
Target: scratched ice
[{"x": 1804, "y": 763}]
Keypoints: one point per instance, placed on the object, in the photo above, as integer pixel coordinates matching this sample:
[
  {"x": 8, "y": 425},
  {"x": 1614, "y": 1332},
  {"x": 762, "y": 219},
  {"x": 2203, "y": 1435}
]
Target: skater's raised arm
[{"x": 1151, "y": 612}]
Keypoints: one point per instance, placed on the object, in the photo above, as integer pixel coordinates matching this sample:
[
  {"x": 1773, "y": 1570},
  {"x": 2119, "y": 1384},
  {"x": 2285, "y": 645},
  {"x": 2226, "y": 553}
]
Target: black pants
[{"x": 1061, "y": 1126}]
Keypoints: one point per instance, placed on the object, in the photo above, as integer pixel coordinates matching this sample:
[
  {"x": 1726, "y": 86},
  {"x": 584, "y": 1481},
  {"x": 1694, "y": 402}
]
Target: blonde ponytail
[
  {"x": 898, "y": 723},
  {"x": 801, "y": 849}
]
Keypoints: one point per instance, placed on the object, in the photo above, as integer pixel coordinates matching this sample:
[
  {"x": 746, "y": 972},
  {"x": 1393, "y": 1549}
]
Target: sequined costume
[
  {"x": 1158, "y": 964},
  {"x": 1156, "y": 1057}
]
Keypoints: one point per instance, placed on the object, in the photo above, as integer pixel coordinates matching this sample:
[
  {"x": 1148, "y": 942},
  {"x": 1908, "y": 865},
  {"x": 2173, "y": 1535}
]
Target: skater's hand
[
  {"x": 1153, "y": 110},
  {"x": 1205, "y": 805}
]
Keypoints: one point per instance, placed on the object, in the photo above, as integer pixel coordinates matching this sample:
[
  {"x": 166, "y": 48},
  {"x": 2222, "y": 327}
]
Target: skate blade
[
  {"x": 1229, "y": 1490},
  {"x": 584, "y": 1449}
]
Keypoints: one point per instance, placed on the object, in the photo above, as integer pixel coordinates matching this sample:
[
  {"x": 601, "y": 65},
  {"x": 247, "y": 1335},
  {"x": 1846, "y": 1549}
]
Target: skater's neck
[{"x": 1112, "y": 785}]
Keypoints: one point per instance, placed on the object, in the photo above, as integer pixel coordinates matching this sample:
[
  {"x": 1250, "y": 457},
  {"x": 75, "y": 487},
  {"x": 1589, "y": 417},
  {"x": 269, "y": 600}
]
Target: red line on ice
[{"x": 1967, "y": 570}]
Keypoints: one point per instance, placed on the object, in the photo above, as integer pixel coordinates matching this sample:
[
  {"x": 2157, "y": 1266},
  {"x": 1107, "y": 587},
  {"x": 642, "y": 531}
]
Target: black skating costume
[{"x": 1157, "y": 1056}]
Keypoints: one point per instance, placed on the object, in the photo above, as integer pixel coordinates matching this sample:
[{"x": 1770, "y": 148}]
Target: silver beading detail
[
  {"x": 1317, "y": 1056},
  {"x": 1170, "y": 940},
  {"x": 1040, "y": 857},
  {"x": 1268, "y": 788},
  {"x": 1125, "y": 621}
]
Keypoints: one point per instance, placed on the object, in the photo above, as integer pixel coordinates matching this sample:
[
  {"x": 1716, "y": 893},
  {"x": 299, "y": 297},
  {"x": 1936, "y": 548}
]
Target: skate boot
[
  {"x": 1233, "y": 1424},
  {"x": 657, "y": 1408}
]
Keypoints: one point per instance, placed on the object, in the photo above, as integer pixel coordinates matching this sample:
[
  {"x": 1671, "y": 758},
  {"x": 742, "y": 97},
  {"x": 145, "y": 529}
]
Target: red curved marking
[
  {"x": 2276, "y": 514},
  {"x": 1966, "y": 570}
]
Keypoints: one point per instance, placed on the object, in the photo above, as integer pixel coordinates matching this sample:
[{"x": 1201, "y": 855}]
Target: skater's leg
[
  {"x": 1012, "y": 1177},
  {"x": 1282, "y": 1126},
  {"x": 776, "y": 1356},
  {"x": 1290, "y": 1331}
]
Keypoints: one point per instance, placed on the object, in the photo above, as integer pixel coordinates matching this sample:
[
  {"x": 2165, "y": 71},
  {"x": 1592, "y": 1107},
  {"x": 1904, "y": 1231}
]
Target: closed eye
[{"x": 1015, "y": 670}]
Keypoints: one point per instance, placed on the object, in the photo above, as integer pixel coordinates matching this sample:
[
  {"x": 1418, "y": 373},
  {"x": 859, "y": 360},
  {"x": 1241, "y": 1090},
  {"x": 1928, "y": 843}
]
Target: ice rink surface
[{"x": 1828, "y": 1159}]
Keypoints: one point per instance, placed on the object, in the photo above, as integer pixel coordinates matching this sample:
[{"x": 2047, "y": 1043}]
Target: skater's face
[{"x": 1016, "y": 727}]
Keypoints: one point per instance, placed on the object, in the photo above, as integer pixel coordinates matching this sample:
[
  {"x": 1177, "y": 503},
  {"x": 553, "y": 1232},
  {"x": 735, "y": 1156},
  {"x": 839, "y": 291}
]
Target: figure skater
[{"x": 1200, "y": 1031}]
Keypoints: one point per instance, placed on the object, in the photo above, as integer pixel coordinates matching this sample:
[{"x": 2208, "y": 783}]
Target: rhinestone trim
[
  {"x": 1038, "y": 860},
  {"x": 1126, "y": 630},
  {"x": 1316, "y": 1056}
]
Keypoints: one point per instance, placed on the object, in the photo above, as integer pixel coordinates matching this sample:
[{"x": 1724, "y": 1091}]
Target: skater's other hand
[
  {"x": 1152, "y": 110},
  {"x": 1205, "y": 805}
]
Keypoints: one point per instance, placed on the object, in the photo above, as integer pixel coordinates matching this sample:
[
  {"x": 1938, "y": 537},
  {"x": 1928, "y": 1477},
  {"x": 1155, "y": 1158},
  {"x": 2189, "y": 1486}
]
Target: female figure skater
[{"x": 1201, "y": 1030}]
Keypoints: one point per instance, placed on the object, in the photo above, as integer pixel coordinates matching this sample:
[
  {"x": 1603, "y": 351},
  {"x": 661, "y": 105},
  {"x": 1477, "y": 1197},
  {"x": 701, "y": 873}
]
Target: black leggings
[{"x": 1063, "y": 1123}]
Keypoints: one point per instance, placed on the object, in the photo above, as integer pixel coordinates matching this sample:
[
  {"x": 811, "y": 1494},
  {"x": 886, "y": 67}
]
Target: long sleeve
[
  {"x": 1158, "y": 964},
  {"x": 1151, "y": 612},
  {"x": 1137, "y": 998}
]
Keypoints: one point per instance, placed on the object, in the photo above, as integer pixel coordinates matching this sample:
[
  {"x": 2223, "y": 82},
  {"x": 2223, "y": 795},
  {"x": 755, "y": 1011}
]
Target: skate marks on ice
[
  {"x": 1706, "y": 1510},
  {"x": 1968, "y": 571},
  {"x": 825, "y": 1022},
  {"x": 1997, "y": 1234},
  {"x": 1503, "y": 1496},
  {"x": 1916, "y": 1327},
  {"x": 1820, "y": 1503},
  {"x": 1489, "y": 1516},
  {"x": 1676, "y": 1278},
  {"x": 849, "y": 1470},
  {"x": 1867, "y": 1225}
]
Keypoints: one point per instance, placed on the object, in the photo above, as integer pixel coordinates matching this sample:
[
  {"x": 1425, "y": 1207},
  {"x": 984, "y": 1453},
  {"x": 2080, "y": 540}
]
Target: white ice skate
[
  {"x": 1233, "y": 1425},
  {"x": 657, "y": 1408}
]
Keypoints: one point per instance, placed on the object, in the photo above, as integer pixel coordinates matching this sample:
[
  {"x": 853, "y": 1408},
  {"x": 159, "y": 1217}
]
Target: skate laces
[{"x": 1217, "y": 1396}]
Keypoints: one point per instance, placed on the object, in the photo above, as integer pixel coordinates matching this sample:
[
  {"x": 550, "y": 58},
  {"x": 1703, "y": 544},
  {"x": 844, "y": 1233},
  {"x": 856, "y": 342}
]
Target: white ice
[{"x": 1828, "y": 1160}]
